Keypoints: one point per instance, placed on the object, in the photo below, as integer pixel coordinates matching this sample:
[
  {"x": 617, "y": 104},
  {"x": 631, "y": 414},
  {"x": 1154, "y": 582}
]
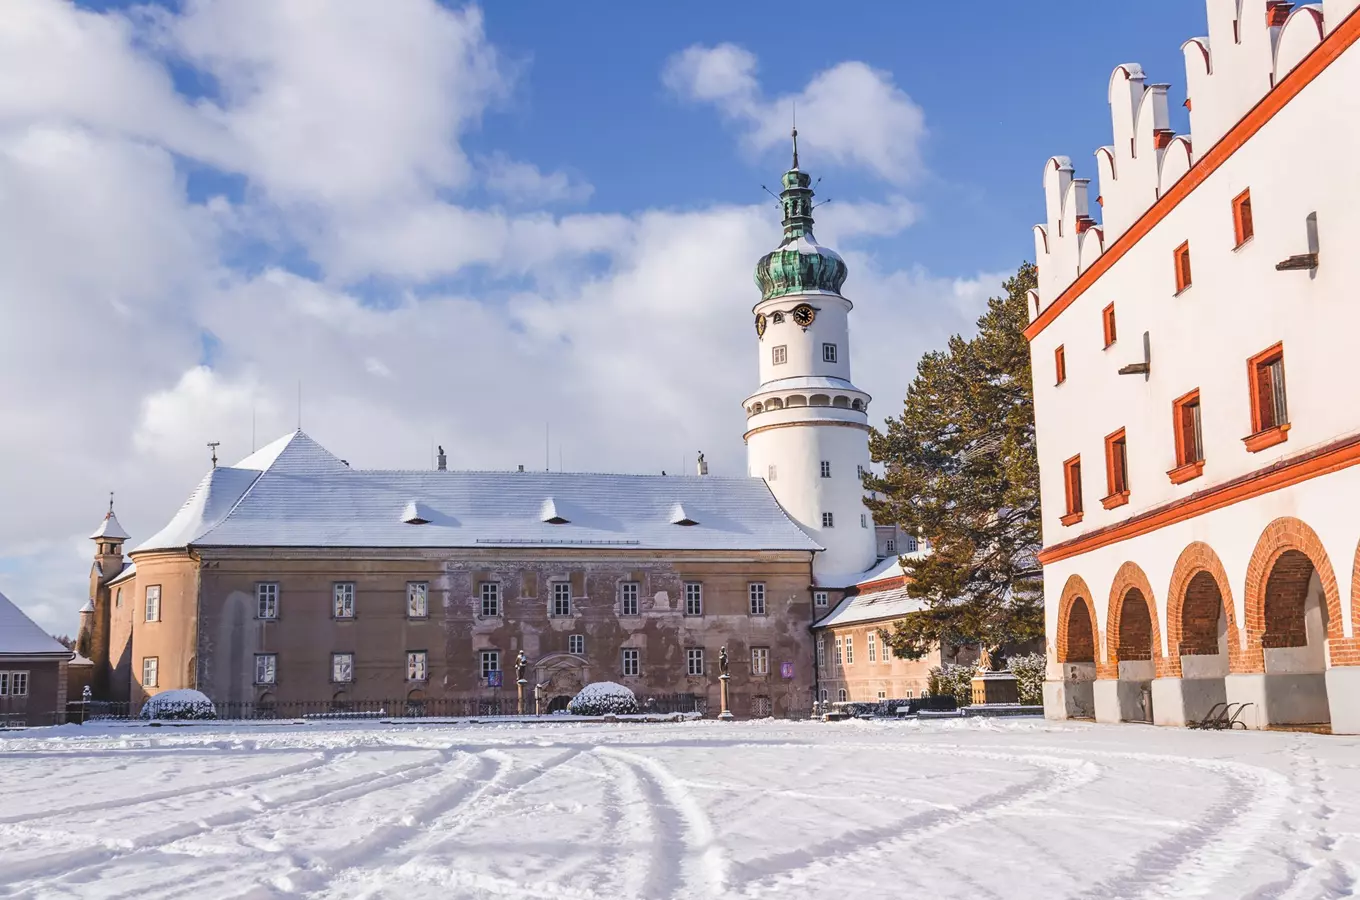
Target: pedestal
[
  {"x": 520, "y": 684},
  {"x": 995, "y": 687},
  {"x": 1069, "y": 699},
  {"x": 725, "y": 713}
]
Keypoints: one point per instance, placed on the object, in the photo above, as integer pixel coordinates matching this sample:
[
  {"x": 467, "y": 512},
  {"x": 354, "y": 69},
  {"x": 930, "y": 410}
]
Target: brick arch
[
  {"x": 1130, "y": 577},
  {"x": 1286, "y": 537},
  {"x": 1074, "y": 590},
  {"x": 1198, "y": 558}
]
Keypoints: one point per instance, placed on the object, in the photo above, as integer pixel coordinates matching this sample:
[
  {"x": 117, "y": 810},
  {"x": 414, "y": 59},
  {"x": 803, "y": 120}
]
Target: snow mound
[
  {"x": 178, "y": 705},
  {"x": 603, "y": 698}
]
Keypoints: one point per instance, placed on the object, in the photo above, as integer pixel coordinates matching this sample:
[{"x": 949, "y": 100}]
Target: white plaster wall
[
  {"x": 831, "y": 326},
  {"x": 1323, "y": 503}
]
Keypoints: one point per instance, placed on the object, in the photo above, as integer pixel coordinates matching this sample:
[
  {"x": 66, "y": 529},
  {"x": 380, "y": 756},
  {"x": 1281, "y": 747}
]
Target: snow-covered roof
[
  {"x": 889, "y": 567},
  {"x": 294, "y": 493},
  {"x": 889, "y": 603},
  {"x": 110, "y": 529},
  {"x": 21, "y": 636}
]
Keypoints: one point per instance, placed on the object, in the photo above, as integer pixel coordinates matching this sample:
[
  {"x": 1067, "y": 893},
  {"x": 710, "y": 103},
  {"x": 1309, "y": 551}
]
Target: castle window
[
  {"x": 1182, "y": 257},
  {"x": 828, "y": 520},
  {"x": 153, "y": 603},
  {"x": 842, "y": 694},
  {"x": 821, "y": 651},
  {"x": 416, "y": 666},
  {"x": 883, "y": 695},
  {"x": 826, "y": 468},
  {"x": 13, "y": 684},
  {"x": 342, "y": 605},
  {"x": 631, "y": 663},
  {"x": 692, "y": 598},
  {"x": 1269, "y": 412},
  {"x": 1107, "y": 325},
  {"x": 118, "y": 599},
  {"x": 840, "y": 645},
  {"x": 828, "y": 353},
  {"x": 819, "y": 598},
  {"x": 1185, "y": 412},
  {"x": 694, "y": 661},
  {"x": 890, "y": 547},
  {"x": 779, "y": 355},
  {"x": 1116, "y": 470},
  {"x": 1059, "y": 365},
  {"x": 849, "y": 649},
  {"x": 873, "y": 648},
  {"x": 760, "y": 660},
  {"x": 1072, "y": 488},
  {"x": 266, "y": 668},
  {"x": 773, "y": 473},
  {"x": 576, "y": 644},
  {"x": 863, "y": 520},
  {"x": 1243, "y": 229},
  {"x": 561, "y": 603},
  {"x": 490, "y": 592},
  {"x": 777, "y": 318},
  {"x": 342, "y": 668},
  {"x": 417, "y": 600},
  {"x": 151, "y": 668},
  {"x": 825, "y": 695},
  {"x": 628, "y": 598},
  {"x": 267, "y": 600},
  {"x": 755, "y": 592},
  {"x": 489, "y": 662}
]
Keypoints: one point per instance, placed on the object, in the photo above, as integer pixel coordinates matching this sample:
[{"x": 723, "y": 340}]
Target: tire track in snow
[
  {"x": 1057, "y": 775},
  {"x": 78, "y": 866},
  {"x": 703, "y": 870},
  {"x": 629, "y": 823}
]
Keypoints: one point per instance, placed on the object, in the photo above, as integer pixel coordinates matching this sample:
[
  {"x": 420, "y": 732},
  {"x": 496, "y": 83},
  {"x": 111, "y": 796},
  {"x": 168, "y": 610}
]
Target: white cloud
[
  {"x": 851, "y": 114},
  {"x": 523, "y": 182},
  {"x": 629, "y": 333}
]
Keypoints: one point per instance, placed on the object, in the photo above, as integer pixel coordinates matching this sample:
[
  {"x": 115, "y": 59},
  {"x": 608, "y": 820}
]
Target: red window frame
[
  {"x": 1243, "y": 227},
  {"x": 1107, "y": 325},
  {"x": 1116, "y": 470},
  {"x": 1188, "y": 430},
  {"x": 1060, "y": 364},
  {"x": 1183, "y": 274},
  {"x": 1072, "y": 490},
  {"x": 1269, "y": 412}
]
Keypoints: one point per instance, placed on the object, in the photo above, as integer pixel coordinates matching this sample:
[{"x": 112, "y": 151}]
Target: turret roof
[{"x": 109, "y": 529}]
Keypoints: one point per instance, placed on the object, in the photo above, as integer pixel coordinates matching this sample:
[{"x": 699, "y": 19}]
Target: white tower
[{"x": 807, "y": 428}]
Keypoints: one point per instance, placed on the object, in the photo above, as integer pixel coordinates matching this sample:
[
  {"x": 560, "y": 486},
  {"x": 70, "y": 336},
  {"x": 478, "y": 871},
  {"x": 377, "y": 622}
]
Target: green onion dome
[{"x": 799, "y": 264}]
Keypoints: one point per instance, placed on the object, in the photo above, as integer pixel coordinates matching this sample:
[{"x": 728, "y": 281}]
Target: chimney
[
  {"x": 443, "y": 461},
  {"x": 702, "y": 466},
  {"x": 521, "y": 468}
]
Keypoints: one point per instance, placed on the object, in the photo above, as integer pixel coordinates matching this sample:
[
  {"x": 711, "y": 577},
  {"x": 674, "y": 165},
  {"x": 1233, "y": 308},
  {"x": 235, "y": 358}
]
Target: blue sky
[{"x": 461, "y": 225}]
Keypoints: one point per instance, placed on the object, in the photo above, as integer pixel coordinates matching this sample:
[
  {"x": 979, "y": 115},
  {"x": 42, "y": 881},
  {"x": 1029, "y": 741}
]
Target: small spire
[
  {"x": 795, "y": 134},
  {"x": 110, "y": 504},
  {"x": 213, "y": 445}
]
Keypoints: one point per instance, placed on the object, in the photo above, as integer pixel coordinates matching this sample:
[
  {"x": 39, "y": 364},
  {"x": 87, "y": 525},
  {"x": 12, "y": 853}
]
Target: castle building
[
  {"x": 1198, "y": 507},
  {"x": 33, "y": 670},
  {"x": 292, "y": 577}
]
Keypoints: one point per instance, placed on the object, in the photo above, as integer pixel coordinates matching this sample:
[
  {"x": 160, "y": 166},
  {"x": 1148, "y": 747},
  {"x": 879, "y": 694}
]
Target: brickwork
[
  {"x": 1198, "y": 591},
  {"x": 1284, "y": 541},
  {"x": 1131, "y": 629},
  {"x": 1076, "y": 623},
  {"x": 1346, "y": 651}
]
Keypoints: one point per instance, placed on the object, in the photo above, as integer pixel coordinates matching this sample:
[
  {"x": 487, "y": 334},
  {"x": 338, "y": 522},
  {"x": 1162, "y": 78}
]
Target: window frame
[
  {"x": 561, "y": 594},
  {"x": 1187, "y": 468},
  {"x": 843, "y": 695},
  {"x": 1059, "y": 364},
  {"x": 1185, "y": 277},
  {"x": 760, "y": 661},
  {"x": 1072, "y": 490},
  {"x": 1109, "y": 331},
  {"x": 1266, "y": 431},
  {"x": 151, "y": 613},
  {"x": 630, "y": 606},
  {"x": 779, "y": 354},
  {"x": 840, "y": 652},
  {"x": 821, "y": 599},
  {"x": 873, "y": 647},
  {"x": 772, "y": 473},
  {"x": 694, "y": 598},
  {"x": 821, "y": 651},
  {"x": 267, "y": 607},
  {"x": 14, "y": 683},
  {"x": 829, "y": 352},
  {"x": 417, "y": 591},
  {"x": 849, "y": 649},
  {"x": 336, "y": 657},
  {"x": 631, "y": 655},
  {"x": 828, "y": 520},
  {"x": 273, "y": 660},
  {"x": 151, "y": 676},
  {"x": 485, "y": 655},
  {"x": 342, "y": 600},
  {"x": 826, "y": 468},
  {"x": 489, "y": 592},
  {"x": 1244, "y": 227},
  {"x": 694, "y": 662},
  {"x": 756, "y": 598},
  {"x": 417, "y": 659},
  {"x": 1116, "y": 470},
  {"x": 573, "y": 642}
]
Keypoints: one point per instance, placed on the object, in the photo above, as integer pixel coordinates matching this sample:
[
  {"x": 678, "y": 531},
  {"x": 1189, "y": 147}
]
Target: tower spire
[{"x": 795, "y": 135}]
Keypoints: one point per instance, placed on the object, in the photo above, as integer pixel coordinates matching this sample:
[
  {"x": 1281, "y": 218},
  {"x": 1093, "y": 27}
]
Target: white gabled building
[{"x": 1199, "y": 508}]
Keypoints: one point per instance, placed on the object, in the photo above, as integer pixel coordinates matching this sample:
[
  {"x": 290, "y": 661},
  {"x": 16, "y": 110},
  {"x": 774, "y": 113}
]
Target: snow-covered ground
[{"x": 851, "y": 810}]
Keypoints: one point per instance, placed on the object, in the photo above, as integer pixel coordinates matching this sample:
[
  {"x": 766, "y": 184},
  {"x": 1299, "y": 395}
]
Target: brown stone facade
[{"x": 211, "y": 630}]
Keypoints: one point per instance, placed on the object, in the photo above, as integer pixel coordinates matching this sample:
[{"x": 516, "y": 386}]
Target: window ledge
[
  {"x": 1118, "y": 498},
  {"x": 1182, "y": 474},
  {"x": 1268, "y": 438},
  {"x": 1183, "y": 290},
  {"x": 1110, "y": 344},
  {"x": 1071, "y": 518},
  {"x": 1244, "y": 243}
]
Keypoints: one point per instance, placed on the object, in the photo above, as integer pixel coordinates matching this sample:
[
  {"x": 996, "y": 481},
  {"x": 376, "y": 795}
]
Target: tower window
[
  {"x": 779, "y": 355},
  {"x": 863, "y": 520},
  {"x": 828, "y": 353},
  {"x": 826, "y": 468},
  {"x": 773, "y": 473},
  {"x": 153, "y": 603},
  {"x": 828, "y": 520}
]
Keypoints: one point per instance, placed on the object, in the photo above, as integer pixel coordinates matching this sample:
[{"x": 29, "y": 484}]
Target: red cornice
[{"x": 1303, "y": 74}]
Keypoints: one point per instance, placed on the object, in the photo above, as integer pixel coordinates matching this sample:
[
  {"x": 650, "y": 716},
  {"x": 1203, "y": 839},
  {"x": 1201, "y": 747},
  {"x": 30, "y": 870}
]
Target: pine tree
[{"x": 961, "y": 470}]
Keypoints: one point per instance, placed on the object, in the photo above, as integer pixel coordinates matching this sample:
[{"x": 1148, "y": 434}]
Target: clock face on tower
[
  {"x": 804, "y": 314},
  {"x": 760, "y": 324}
]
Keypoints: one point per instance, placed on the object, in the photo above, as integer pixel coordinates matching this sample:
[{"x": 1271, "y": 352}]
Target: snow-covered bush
[
  {"x": 178, "y": 705},
  {"x": 603, "y": 698},
  {"x": 1029, "y": 677},
  {"x": 954, "y": 680}
]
